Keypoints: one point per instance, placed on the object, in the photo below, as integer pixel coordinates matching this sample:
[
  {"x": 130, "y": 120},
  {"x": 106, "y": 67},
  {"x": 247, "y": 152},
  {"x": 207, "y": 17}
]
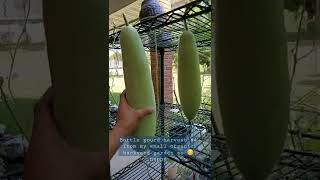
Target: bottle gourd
[
  {"x": 137, "y": 76},
  {"x": 253, "y": 82},
  {"x": 189, "y": 84},
  {"x": 76, "y": 40}
]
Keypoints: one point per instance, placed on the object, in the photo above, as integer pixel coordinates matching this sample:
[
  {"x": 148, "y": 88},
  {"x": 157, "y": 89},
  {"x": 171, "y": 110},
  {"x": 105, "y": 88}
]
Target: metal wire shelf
[
  {"x": 211, "y": 158},
  {"x": 292, "y": 165},
  {"x": 166, "y": 28},
  {"x": 175, "y": 125},
  {"x": 142, "y": 168}
]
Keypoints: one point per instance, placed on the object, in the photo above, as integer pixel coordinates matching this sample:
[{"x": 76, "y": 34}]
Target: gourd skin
[
  {"x": 78, "y": 63},
  {"x": 137, "y": 75},
  {"x": 189, "y": 84},
  {"x": 253, "y": 82}
]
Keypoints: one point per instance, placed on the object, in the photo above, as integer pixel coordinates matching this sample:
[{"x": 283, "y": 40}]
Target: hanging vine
[
  {"x": 303, "y": 7},
  {"x": 13, "y": 53}
]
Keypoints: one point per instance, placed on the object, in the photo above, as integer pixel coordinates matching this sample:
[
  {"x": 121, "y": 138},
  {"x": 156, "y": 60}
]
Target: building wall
[
  {"x": 168, "y": 76},
  {"x": 31, "y": 75},
  {"x": 307, "y": 74},
  {"x": 168, "y": 86},
  {"x": 166, "y": 4},
  {"x": 12, "y": 17}
]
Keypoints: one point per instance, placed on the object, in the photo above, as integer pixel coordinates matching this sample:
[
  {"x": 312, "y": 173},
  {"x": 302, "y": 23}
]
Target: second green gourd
[{"x": 189, "y": 75}]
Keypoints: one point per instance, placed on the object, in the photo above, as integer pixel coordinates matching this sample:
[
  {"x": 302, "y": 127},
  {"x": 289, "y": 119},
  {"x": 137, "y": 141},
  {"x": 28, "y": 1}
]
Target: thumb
[
  {"x": 144, "y": 112},
  {"x": 43, "y": 112},
  {"x": 123, "y": 99},
  {"x": 44, "y": 123}
]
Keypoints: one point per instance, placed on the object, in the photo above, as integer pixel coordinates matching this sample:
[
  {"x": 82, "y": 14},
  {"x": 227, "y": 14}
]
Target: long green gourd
[
  {"x": 189, "y": 84},
  {"x": 76, "y": 41},
  {"x": 137, "y": 76},
  {"x": 253, "y": 83}
]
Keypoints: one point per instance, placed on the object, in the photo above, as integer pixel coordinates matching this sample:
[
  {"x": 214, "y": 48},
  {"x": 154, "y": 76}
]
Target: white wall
[
  {"x": 303, "y": 81},
  {"x": 12, "y": 16},
  {"x": 31, "y": 66},
  {"x": 32, "y": 69}
]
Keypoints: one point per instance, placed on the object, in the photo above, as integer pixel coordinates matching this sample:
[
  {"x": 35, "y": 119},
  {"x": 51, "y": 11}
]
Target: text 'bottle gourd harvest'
[
  {"x": 253, "y": 83},
  {"x": 76, "y": 41}
]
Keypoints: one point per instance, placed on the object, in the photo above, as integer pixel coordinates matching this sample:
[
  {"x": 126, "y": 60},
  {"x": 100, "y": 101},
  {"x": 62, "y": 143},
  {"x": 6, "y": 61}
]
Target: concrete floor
[{"x": 119, "y": 162}]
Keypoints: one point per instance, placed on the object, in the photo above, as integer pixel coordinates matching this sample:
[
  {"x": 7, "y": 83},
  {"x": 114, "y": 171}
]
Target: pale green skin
[
  {"x": 138, "y": 81},
  {"x": 189, "y": 84},
  {"x": 78, "y": 59},
  {"x": 253, "y": 82}
]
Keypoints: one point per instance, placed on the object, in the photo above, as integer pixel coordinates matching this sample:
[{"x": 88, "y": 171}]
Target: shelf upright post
[
  {"x": 161, "y": 50},
  {"x": 161, "y": 106}
]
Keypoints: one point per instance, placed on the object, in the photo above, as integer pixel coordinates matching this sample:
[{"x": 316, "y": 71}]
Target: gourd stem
[
  {"x": 185, "y": 24},
  {"x": 125, "y": 20}
]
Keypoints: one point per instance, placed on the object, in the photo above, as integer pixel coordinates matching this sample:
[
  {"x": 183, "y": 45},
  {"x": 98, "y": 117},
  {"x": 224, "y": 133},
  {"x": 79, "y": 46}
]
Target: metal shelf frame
[
  {"x": 211, "y": 159},
  {"x": 163, "y": 31},
  {"x": 142, "y": 168},
  {"x": 175, "y": 125}
]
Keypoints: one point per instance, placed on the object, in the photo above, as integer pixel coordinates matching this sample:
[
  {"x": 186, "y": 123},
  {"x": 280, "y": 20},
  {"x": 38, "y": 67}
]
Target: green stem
[
  {"x": 125, "y": 20},
  {"x": 185, "y": 24}
]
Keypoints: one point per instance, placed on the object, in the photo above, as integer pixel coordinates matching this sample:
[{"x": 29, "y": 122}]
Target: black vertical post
[
  {"x": 162, "y": 107},
  {"x": 161, "y": 50}
]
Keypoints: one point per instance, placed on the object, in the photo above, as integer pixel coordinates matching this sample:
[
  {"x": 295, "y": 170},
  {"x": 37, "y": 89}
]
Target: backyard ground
[{"x": 23, "y": 110}]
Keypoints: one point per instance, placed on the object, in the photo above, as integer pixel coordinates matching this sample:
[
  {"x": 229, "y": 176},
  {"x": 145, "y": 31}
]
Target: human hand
[
  {"x": 127, "y": 122},
  {"x": 128, "y": 118},
  {"x": 50, "y": 157}
]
